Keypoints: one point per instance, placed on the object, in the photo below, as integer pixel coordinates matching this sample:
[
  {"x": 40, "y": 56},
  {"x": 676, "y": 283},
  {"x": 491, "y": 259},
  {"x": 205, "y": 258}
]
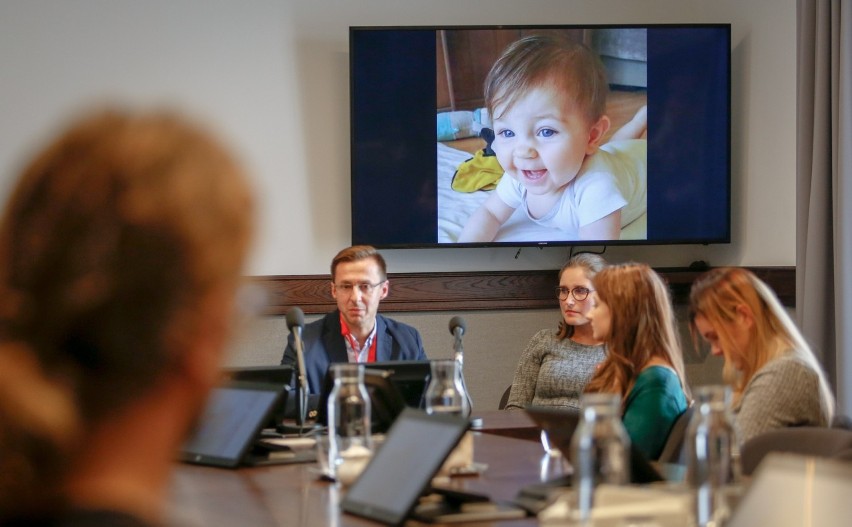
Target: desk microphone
[
  {"x": 457, "y": 329},
  {"x": 295, "y": 323}
]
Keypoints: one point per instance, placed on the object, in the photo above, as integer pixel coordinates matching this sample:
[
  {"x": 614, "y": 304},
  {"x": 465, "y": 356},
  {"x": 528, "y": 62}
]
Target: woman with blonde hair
[
  {"x": 555, "y": 366},
  {"x": 121, "y": 249},
  {"x": 776, "y": 379},
  {"x": 632, "y": 314}
]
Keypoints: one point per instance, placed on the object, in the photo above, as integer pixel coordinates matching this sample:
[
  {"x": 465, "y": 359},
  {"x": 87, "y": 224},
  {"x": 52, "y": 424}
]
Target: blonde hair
[
  {"x": 716, "y": 296},
  {"x": 643, "y": 327},
  {"x": 546, "y": 60},
  {"x": 112, "y": 237},
  {"x": 591, "y": 264}
]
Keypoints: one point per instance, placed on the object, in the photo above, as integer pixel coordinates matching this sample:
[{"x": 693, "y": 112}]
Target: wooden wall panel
[{"x": 499, "y": 290}]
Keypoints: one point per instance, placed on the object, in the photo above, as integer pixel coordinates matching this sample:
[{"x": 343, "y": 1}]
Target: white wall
[{"x": 272, "y": 76}]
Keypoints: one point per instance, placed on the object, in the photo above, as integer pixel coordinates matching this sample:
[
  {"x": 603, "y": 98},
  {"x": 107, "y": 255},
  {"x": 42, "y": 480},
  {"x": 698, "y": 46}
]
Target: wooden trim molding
[{"x": 469, "y": 291}]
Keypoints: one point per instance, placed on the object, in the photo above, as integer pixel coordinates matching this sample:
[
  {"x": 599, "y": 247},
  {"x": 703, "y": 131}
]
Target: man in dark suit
[{"x": 355, "y": 332}]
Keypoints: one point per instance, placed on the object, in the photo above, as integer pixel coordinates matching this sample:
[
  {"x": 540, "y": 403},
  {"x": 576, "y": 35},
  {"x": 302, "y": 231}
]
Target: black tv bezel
[{"x": 354, "y": 210}]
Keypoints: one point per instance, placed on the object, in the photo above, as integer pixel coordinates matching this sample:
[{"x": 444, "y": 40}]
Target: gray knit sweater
[
  {"x": 553, "y": 372},
  {"x": 785, "y": 392}
]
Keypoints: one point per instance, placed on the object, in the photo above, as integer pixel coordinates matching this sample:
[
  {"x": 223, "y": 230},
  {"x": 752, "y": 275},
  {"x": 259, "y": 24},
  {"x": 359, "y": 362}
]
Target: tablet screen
[
  {"x": 402, "y": 468},
  {"x": 234, "y": 416}
]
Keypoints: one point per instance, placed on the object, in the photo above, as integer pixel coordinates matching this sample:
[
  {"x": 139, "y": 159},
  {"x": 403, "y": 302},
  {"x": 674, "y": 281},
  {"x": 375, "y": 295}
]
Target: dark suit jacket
[{"x": 323, "y": 345}]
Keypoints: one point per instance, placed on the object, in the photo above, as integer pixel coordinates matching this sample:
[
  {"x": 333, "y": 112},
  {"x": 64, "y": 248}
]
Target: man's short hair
[{"x": 356, "y": 253}]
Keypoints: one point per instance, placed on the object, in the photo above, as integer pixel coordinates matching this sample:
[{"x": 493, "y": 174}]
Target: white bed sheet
[{"x": 454, "y": 208}]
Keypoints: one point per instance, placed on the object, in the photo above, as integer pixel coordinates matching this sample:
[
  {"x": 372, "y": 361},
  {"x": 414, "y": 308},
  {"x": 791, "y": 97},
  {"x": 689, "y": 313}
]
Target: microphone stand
[
  {"x": 302, "y": 385},
  {"x": 296, "y": 322},
  {"x": 457, "y": 328}
]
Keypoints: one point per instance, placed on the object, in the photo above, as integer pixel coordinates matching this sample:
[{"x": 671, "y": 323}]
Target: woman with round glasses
[{"x": 555, "y": 367}]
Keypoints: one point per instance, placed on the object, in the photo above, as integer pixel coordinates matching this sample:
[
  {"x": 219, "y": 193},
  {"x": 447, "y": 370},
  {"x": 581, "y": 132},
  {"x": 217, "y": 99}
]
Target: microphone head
[
  {"x": 457, "y": 322},
  {"x": 295, "y": 318}
]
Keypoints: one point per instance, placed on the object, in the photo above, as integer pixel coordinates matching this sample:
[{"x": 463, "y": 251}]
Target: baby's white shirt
[{"x": 612, "y": 178}]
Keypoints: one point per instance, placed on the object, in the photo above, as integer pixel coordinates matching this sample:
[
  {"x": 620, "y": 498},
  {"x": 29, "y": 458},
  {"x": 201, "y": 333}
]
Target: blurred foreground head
[{"x": 121, "y": 245}]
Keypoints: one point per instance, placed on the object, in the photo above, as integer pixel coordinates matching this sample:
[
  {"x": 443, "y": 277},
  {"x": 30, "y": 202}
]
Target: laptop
[
  {"x": 560, "y": 424},
  {"x": 401, "y": 470},
  {"x": 228, "y": 431}
]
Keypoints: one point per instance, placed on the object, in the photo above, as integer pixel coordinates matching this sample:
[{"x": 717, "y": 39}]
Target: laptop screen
[
  {"x": 231, "y": 422},
  {"x": 561, "y": 423}
]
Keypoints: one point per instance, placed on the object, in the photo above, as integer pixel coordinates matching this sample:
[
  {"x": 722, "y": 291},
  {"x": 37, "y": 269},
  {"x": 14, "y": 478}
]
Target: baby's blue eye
[
  {"x": 506, "y": 133},
  {"x": 547, "y": 132}
]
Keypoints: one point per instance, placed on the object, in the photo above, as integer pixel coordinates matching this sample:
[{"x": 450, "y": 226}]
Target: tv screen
[{"x": 431, "y": 167}]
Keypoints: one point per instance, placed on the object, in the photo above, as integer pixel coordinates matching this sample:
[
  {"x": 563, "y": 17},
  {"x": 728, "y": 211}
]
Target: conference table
[{"x": 293, "y": 495}]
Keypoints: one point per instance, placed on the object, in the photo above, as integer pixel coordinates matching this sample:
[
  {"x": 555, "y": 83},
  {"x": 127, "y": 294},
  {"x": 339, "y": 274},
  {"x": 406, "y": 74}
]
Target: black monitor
[
  {"x": 409, "y": 377},
  {"x": 269, "y": 374},
  {"x": 278, "y": 375},
  {"x": 392, "y": 386}
]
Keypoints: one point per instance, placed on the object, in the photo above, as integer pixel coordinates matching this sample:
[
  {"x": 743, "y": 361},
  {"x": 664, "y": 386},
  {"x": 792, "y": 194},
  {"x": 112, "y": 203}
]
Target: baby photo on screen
[{"x": 541, "y": 135}]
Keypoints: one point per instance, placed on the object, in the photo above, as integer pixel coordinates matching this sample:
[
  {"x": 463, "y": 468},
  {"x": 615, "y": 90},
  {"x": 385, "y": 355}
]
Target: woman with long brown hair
[
  {"x": 556, "y": 365},
  {"x": 776, "y": 379},
  {"x": 632, "y": 313}
]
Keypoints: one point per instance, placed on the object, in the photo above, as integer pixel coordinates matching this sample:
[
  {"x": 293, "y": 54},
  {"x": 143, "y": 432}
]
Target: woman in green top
[{"x": 632, "y": 313}]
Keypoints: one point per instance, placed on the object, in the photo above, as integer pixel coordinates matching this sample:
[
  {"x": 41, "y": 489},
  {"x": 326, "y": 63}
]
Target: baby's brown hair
[{"x": 539, "y": 60}]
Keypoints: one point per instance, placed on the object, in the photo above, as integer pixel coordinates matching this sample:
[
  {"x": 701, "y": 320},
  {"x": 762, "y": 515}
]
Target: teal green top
[{"x": 652, "y": 407}]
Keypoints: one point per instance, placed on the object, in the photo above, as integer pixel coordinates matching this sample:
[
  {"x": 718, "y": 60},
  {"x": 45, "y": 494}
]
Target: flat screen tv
[{"x": 422, "y": 143}]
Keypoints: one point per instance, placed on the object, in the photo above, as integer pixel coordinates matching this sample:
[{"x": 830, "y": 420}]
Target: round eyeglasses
[{"x": 579, "y": 293}]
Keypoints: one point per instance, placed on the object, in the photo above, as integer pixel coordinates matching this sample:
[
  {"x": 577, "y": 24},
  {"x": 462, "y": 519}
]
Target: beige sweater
[
  {"x": 785, "y": 392},
  {"x": 553, "y": 372}
]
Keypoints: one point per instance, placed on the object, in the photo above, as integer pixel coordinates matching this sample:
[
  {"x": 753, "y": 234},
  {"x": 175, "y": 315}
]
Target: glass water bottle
[
  {"x": 446, "y": 392},
  {"x": 600, "y": 451},
  {"x": 712, "y": 453},
  {"x": 350, "y": 442}
]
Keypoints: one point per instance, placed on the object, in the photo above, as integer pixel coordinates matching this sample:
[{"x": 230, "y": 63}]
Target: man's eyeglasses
[
  {"x": 365, "y": 288},
  {"x": 579, "y": 293}
]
